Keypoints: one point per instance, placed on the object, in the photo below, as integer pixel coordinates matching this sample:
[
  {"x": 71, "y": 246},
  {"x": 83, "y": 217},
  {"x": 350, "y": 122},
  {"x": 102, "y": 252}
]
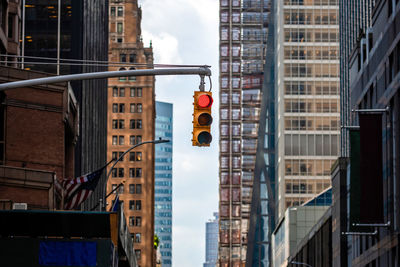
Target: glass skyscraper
[
  {"x": 163, "y": 182},
  {"x": 212, "y": 242}
]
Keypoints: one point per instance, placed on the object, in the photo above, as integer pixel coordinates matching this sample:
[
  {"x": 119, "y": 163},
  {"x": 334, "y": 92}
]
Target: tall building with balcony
[
  {"x": 307, "y": 99},
  {"x": 163, "y": 182},
  {"x": 131, "y": 117},
  {"x": 243, "y": 34}
]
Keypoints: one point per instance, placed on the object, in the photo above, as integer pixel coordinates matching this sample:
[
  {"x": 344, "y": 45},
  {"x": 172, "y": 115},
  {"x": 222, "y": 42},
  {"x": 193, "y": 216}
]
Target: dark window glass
[
  {"x": 120, "y": 172},
  {"x": 132, "y": 124},
  {"x": 132, "y": 58},
  {"x": 115, "y": 124},
  {"x": 121, "y": 108},
  {"x": 121, "y": 124},
  {"x": 114, "y": 172},
  {"x": 139, "y": 124},
  {"x": 138, "y": 189},
  {"x": 115, "y": 91},
  {"x": 132, "y": 156},
  {"x": 122, "y": 57},
  {"x": 138, "y": 205},
  {"x": 131, "y": 189},
  {"x": 120, "y": 11},
  {"x": 131, "y": 172},
  {"x": 132, "y": 204},
  {"x": 138, "y": 172},
  {"x": 122, "y": 92},
  {"x": 115, "y": 108},
  {"x": 132, "y": 140}
]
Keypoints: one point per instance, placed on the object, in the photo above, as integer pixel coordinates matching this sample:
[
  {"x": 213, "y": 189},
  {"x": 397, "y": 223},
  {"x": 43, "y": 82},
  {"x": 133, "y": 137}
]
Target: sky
[{"x": 186, "y": 32}]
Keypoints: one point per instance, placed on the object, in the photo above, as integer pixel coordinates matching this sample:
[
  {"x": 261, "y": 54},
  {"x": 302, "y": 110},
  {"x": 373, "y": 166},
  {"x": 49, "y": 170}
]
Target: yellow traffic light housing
[{"x": 202, "y": 118}]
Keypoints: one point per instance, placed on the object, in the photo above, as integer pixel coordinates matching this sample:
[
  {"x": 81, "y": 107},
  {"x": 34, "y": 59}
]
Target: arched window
[
  {"x": 132, "y": 78},
  {"x": 122, "y": 78}
]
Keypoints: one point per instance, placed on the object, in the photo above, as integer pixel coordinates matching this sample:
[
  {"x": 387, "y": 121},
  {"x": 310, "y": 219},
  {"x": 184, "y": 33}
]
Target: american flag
[{"x": 79, "y": 189}]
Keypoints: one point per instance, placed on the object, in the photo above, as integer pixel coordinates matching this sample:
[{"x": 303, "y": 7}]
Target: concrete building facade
[
  {"x": 306, "y": 99},
  {"x": 163, "y": 181},
  {"x": 131, "y": 119}
]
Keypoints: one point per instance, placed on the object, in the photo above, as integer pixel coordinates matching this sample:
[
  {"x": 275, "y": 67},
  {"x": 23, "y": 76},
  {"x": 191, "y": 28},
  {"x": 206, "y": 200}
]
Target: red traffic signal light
[{"x": 202, "y": 118}]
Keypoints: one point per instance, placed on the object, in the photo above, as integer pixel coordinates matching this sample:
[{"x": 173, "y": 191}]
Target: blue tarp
[{"x": 61, "y": 253}]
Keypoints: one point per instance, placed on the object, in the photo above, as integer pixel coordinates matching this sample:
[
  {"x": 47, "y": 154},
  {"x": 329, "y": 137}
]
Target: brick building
[
  {"x": 131, "y": 118},
  {"x": 37, "y": 137}
]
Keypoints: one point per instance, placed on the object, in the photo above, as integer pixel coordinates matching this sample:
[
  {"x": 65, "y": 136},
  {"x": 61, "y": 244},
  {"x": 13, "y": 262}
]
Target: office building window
[
  {"x": 138, "y": 172},
  {"x": 131, "y": 172},
  {"x": 119, "y": 155},
  {"x": 132, "y": 58},
  {"x": 132, "y": 204},
  {"x": 131, "y": 156},
  {"x": 132, "y": 124},
  {"x": 139, "y": 124},
  {"x": 131, "y": 221},
  {"x": 139, "y": 92},
  {"x": 121, "y": 124},
  {"x": 132, "y": 140},
  {"x": 139, "y": 108},
  {"x": 138, "y": 221},
  {"x": 121, "y": 108},
  {"x": 122, "y": 92},
  {"x": 119, "y": 27},
  {"x": 120, "y": 11},
  {"x": 115, "y": 124},
  {"x": 112, "y": 12},
  {"x": 133, "y": 90},
  {"x": 114, "y": 155},
  {"x": 121, "y": 140},
  {"x": 132, "y": 109},
  {"x": 122, "y": 57},
  {"x": 138, "y": 139},
  {"x": 120, "y": 172},
  {"x": 138, "y": 254},
  {"x": 138, "y": 156},
  {"x": 137, "y": 238},
  {"x": 114, "y": 172},
  {"x": 138, "y": 189},
  {"x": 115, "y": 91},
  {"x": 131, "y": 189},
  {"x": 138, "y": 205},
  {"x": 115, "y": 140}
]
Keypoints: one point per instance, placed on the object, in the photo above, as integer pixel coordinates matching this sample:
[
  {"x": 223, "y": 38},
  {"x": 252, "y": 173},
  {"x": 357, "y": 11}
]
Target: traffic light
[{"x": 202, "y": 118}]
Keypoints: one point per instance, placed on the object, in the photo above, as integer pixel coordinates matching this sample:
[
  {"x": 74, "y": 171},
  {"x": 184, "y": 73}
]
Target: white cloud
[{"x": 186, "y": 32}]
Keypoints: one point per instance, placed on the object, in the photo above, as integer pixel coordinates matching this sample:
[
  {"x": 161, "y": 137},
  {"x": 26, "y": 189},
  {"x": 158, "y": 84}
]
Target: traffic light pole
[{"x": 202, "y": 71}]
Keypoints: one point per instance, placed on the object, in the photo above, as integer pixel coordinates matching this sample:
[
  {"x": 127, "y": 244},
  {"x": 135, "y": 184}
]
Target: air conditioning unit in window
[{"x": 20, "y": 206}]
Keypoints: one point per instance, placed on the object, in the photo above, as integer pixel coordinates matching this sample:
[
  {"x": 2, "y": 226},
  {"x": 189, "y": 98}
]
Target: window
[
  {"x": 121, "y": 124},
  {"x": 114, "y": 155},
  {"x": 131, "y": 221},
  {"x": 122, "y": 92},
  {"x": 132, "y": 204},
  {"x": 115, "y": 108},
  {"x": 120, "y": 11},
  {"x": 139, "y": 108},
  {"x": 114, "y": 140},
  {"x": 112, "y": 11},
  {"x": 115, "y": 124},
  {"x": 133, "y": 92},
  {"x": 139, "y": 92},
  {"x": 132, "y": 109},
  {"x": 132, "y": 124},
  {"x": 138, "y": 205},
  {"x": 121, "y": 108},
  {"x": 122, "y": 78},
  {"x": 114, "y": 172},
  {"x": 120, "y": 172},
  {"x": 119, "y": 27},
  {"x": 138, "y": 139},
  {"x": 132, "y": 140},
  {"x": 132, "y": 78},
  {"x": 132, "y": 58},
  {"x": 115, "y": 91},
  {"x": 131, "y": 172},
  {"x": 122, "y": 57},
  {"x": 137, "y": 238},
  {"x": 138, "y": 156},
  {"x": 119, "y": 156},
  {"x": 132, "y": 156},
  {"x": 119, "y": 40},
  {"x": 138, "y": 189},
  {"x": 138, "y": 172},
  {"x": 139, "y": 124},
  {"x": 138, "y": 253},
  {"x": 138, "y": 221},
  {"x": 131, "y": 189},
  {"x": 121, "y": 140}
]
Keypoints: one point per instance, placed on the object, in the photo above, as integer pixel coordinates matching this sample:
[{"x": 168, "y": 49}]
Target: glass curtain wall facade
[
  {"x": 212, "y": 242},
  {"x": 243, "y": 34},
  {"x": 163, "y": 182},
  {"x": 307, "y": 93}
]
